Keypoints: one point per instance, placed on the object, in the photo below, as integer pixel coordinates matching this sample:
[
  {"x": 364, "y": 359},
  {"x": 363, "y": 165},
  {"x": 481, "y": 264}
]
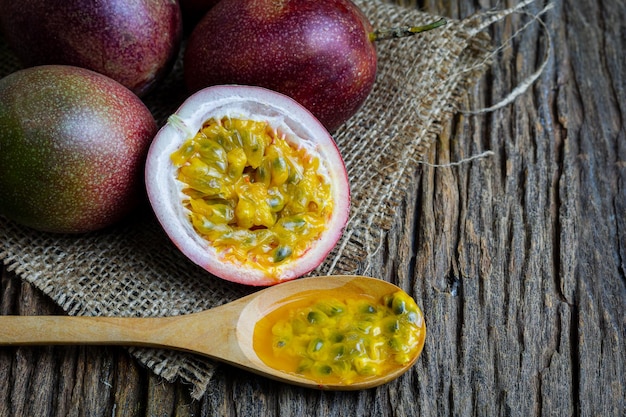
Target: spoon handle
[
  {"x": 64, "y": 330},
  {"x": 210, "y": 333}
]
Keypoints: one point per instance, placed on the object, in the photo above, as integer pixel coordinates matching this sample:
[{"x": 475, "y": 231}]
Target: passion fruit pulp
[{"x": 248, "y": 184}]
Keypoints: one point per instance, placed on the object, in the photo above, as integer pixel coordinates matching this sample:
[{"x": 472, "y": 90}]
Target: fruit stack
[{"x": 244, "y": 177}]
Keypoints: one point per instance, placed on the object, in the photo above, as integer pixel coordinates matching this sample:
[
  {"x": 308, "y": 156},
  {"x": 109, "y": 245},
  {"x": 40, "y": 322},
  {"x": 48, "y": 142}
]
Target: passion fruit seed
[{"x": 255, "y": 196}]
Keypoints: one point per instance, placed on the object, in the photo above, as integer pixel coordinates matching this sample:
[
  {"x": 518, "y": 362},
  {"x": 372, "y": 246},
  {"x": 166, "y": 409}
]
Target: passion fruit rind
[{"x": 230, "y": 225}]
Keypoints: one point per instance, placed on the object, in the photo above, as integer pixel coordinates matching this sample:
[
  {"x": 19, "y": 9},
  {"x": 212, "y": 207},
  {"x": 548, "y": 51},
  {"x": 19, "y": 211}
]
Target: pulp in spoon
[{"x": 341, "y": 336}]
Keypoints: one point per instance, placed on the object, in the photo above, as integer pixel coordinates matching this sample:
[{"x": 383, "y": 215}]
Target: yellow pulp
[
  {"x": 253, "y": 195},
  {"x": 336, "y": 338}
]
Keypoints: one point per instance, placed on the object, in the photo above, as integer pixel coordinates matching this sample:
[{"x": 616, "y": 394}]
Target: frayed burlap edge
[
  {"x": 132, "y": 269},
  {"x": 418, "y": 87}
]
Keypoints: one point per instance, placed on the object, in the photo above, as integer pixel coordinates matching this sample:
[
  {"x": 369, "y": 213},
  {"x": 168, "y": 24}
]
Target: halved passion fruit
[{"x": 248, "y": 184}]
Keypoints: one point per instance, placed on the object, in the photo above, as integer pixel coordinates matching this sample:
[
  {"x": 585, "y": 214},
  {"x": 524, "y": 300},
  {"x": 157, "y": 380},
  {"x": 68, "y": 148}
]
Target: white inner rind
[{"x": 252, "y": 103}]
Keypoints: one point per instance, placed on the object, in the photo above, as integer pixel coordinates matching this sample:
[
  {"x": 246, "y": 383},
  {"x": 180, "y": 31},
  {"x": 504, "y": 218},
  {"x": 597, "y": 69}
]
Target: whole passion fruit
[
  {"x": 72, "y": 149},
  {"x": 248, "y": 184},
  {"x": 317, "y": 52},
  {"x": 135, "y": 42}
]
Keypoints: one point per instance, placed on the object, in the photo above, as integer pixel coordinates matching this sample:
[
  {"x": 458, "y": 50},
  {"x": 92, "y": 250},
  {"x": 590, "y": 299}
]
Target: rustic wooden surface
[{"x": 518, "y": 259}]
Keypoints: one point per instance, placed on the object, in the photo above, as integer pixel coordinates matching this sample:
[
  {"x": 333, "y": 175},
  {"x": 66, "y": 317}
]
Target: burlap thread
[{"x": 133, "y": 269}]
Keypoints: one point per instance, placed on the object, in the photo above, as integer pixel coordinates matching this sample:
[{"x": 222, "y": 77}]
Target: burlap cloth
[{"x": 133, "y": 269}]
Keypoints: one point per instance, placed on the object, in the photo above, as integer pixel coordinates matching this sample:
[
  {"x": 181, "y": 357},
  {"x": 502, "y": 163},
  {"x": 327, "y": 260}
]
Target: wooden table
[{"x": 518, "y": 260}]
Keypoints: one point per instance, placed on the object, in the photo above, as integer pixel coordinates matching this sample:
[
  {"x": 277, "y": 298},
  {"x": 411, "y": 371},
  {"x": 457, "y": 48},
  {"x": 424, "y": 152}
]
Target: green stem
[{"x": 404, "y": 31}]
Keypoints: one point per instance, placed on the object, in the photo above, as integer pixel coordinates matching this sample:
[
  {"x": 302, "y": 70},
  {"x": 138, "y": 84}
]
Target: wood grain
[{"x": 517, "y": 259}]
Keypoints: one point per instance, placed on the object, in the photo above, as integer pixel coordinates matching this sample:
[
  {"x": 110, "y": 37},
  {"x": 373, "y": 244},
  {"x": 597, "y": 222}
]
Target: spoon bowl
[{"x": 224, "y": 333}]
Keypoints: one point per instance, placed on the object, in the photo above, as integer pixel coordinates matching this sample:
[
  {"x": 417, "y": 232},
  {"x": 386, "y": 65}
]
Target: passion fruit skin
[
  {"x": 72, "y": 149},
  {"x": 135, "y": 42},
  {"x": 252, "y": 103},
  {"x": 317, "y": 52}
]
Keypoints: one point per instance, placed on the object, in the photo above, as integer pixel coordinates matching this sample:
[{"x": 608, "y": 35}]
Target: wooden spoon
[{"x": 223, "y": 333}]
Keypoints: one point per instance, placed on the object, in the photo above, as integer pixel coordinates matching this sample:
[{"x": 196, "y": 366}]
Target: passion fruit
[
  {"x": 135, "y": 42},
  {"x": 317, "y": 52},
  {"x": 248, "y": 184},
  {"x": 72, "y": 149}
]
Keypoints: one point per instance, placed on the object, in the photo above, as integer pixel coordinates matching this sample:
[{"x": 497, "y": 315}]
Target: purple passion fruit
[
  {"x": 248, "y": 184},
  {"x": 135, "y": 42},
  {"x": 317, "y": 52},
  {"x": 72, "y": 148}
]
